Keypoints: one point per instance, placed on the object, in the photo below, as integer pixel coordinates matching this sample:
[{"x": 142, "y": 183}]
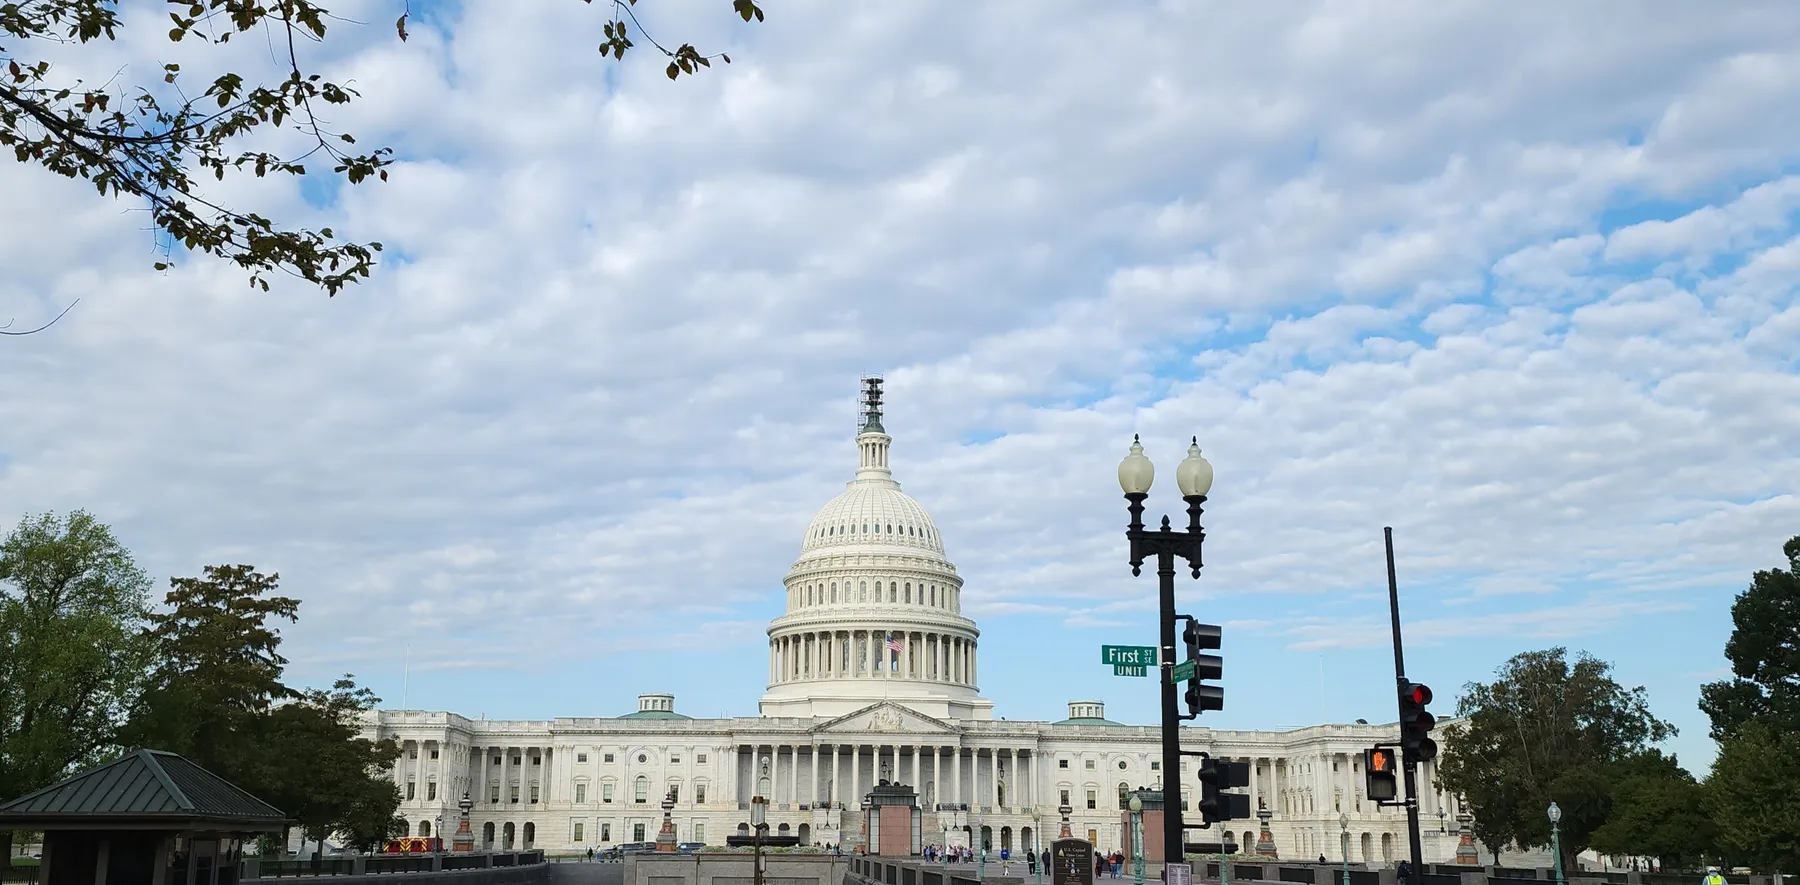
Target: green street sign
[
  {"x": 1129, "y": 670},
  {"x": 1130, "y": 655},
  {"x": 1183, "y": 671}
]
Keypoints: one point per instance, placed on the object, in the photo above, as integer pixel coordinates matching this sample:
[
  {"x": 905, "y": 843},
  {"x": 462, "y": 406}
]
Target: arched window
[
  {"x": 424, "y": 828},
  {"x": 862, "y": 591},
  {"x": 1124, "y": 798},
  {"x": 890, "y": 528},
  {"x": 907, "y": 590},
  {"x": 640, "y": 790},
  {"x": 934, "y": 594}
]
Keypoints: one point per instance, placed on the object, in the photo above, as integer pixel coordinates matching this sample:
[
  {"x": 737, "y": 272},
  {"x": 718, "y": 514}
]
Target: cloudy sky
[{"x": 1517, "y": 279}]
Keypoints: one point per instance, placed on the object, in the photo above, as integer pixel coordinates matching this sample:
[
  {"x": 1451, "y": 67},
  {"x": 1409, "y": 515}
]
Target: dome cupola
[{"x": 874, "y": 607}]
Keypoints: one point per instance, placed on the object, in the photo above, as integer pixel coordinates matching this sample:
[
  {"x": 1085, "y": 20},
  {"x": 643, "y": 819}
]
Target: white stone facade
[{"x": 872, "y": 676}]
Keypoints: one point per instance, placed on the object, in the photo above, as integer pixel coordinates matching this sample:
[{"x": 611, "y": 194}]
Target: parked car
[
  {"x": 638, "y": 848},
  {"x": 690, "y": 847}
]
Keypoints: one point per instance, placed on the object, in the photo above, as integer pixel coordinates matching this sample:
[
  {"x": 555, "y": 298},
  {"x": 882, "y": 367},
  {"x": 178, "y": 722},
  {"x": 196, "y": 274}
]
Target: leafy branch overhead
[{"x": 160, "y": 142}]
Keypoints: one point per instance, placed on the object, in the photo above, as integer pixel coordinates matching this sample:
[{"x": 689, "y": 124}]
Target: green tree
[
  {"x": 321, "y": 772},
  {"x": 218, "y": 669},
  {"x": 72, "y": 653},
  {"x": 1658, "y": 810},
  {"x": 1545, "y": 730},
  {"x": 158, "y": 142},
  {"x": 1764, "y": 652},
  {"x": 1754, "y": 789},
  {"x": 1753, "y": 798}
]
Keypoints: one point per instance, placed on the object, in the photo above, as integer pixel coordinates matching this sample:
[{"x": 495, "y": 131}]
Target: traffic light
[
  {"x": 1217, "y": 775},
  {"x": 1416, "y": 722},
  {"x": 1379, "y": 772},
  {"x": 1201, "y": 638}
]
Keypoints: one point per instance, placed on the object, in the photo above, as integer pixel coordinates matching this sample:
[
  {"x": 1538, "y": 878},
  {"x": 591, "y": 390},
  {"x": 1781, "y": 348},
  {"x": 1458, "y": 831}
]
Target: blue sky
[{"x": 1516, "y": 279}]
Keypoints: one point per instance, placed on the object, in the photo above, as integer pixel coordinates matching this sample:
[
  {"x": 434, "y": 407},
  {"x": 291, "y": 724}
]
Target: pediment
[{"x": 886, "y": 717}]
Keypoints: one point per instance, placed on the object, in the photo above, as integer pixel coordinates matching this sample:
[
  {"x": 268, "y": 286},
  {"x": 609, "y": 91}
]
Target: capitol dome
[{"x": 874, "y": 607}]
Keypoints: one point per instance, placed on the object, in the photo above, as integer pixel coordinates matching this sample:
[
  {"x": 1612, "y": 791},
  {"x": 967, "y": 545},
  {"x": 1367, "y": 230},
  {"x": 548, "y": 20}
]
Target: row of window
[
  {"x": 1155, "y": 765},
  {"x": 897, "y": 592},
  {"x": 582, "y": 758},
  {"x": 875, "y": 528}
]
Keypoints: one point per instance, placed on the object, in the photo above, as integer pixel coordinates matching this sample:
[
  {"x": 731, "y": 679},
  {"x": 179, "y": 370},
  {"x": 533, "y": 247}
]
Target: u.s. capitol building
[{"x": 874, "y": 674}]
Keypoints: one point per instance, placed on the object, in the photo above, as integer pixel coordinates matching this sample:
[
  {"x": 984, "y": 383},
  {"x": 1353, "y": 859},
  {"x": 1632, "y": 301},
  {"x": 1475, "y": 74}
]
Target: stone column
[
  {"x": 855, "y": 776},
  {"x": 956, "y": 773},
  {"x": 812, "y": 792},
  {"x": 505, "y": 771},
  {"x": 794, "y": 773}
]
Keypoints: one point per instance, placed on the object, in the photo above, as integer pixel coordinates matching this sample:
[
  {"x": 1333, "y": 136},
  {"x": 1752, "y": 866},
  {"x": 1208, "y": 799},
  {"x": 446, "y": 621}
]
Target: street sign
[
  {"x": 1179, "y": 873},
  {"x": 1133, "y": 655},
  {"x": 1129, "y": 670},
  {"x": 1183, "y": 671}
]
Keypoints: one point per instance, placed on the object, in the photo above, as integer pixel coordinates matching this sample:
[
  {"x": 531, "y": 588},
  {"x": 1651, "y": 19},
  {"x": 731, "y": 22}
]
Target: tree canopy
[
  {"x": 72, "y": 654},
  {"x": 157, "y": 140},
  {"x": 1546, "y": 730},
  {"x": 1764, "y": 652},
  {"x": 1754, "y": 790}
]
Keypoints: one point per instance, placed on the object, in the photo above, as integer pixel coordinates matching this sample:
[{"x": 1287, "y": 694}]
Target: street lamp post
[
  {"x": 1194, "y": 476},
  {"x": 1556, "y": 840},
  {"x": 1344, "y": 825},
  {"x": 759, "y": 823},
  {"x": 1137, "y": 839}
]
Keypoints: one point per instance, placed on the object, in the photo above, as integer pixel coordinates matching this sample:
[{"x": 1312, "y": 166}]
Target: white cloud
[{"x": 1372, "y": 256}]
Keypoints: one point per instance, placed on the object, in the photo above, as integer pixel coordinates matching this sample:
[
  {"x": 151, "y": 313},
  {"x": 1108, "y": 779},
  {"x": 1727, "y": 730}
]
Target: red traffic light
[{"x": 1418, "y": 694}]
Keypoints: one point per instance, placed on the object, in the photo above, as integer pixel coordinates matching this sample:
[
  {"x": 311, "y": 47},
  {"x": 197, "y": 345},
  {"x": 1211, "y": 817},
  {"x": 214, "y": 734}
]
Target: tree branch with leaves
[{"x": 157, "y": 143}]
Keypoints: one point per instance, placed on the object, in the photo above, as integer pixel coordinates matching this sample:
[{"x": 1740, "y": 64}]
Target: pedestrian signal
[{"x": 1380, "y": 771}]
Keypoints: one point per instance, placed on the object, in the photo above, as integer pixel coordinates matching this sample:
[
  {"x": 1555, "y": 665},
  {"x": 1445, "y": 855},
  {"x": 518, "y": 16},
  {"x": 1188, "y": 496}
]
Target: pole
[
  {"x": 1346, "y": 856},
  {"x": 1556, "y": 847},
  {"x": 1137, "y": 847},
  {"x": 1406, "y": 764},
  {"x": 1171, "y": 714}
]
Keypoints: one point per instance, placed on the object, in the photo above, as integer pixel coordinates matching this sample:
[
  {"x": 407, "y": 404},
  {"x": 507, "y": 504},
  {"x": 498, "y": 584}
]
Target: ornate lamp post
[
  {"x": 759, "y": 824},
  {"x": 1137, "y": 839},
  {"x": 665, "y": 838},
  {"x": 1066, "y": 833},
  {"x": 1265, "y": 840},
  {"x": 465, "y": 837},
  {"x": 1344, "y": 824},
  {"x": 1194, "y": 476},
  {"x": 1556, "y": 840},
  {"x": 1465, "y": 842}
]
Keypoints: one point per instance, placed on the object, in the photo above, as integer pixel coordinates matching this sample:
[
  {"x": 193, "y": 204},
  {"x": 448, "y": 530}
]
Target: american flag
[{"x": 894, "y": 644}]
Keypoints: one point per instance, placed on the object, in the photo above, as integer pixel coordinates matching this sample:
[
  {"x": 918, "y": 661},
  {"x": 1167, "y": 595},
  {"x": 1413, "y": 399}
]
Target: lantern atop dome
[{"x": 871, "y": 405}]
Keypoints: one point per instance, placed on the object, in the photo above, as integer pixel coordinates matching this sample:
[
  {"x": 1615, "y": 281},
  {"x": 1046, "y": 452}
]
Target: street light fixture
[
  {"x": 1137, "y": 839},
  {"x": 1344, "y": 824},
  {"x": 1556, "y": 840},
  {"x": 1194, "y": 477}
]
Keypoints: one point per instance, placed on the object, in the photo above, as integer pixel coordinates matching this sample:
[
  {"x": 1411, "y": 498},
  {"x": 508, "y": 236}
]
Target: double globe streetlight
[{"x": 1194, "y": 476}]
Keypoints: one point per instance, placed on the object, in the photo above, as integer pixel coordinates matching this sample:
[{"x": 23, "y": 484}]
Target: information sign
[
  {"x": 1129, "y": 670},
  {"x": 1071, "y": 862},
  {"x": 1183, "y": 671},
  {"x": 1179, "y": 873}
]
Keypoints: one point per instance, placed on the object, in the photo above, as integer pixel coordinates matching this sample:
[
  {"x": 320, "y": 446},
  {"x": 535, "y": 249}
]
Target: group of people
[
  {"x": 950, "y": 854},
  {"x": 1108, "y": 863}
]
